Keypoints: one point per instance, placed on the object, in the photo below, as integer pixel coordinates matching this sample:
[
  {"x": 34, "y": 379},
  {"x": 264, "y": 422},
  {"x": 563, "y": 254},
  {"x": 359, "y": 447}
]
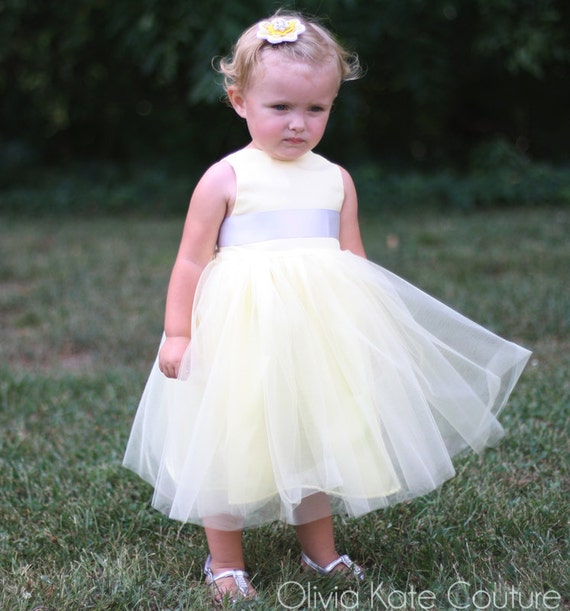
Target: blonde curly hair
[{"x": 315, "y": 45}]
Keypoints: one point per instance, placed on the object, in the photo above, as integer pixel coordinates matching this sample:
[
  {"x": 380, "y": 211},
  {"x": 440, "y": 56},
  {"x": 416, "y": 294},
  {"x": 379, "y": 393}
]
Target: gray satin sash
[{"x": 279, "y": 224}]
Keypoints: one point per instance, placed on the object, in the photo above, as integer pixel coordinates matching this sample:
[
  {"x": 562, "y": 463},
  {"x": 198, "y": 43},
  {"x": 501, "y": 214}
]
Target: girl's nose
[{"x": 296, "y": 123}]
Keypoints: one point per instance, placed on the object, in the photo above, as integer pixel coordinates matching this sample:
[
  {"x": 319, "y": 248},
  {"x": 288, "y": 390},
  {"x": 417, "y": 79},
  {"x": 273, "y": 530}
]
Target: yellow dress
[{"x": 312, "y": 370}]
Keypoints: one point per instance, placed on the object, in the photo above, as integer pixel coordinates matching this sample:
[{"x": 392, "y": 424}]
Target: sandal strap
[
  {"x": 239, "y": 576},
  {"x": 356, "y": 570}
]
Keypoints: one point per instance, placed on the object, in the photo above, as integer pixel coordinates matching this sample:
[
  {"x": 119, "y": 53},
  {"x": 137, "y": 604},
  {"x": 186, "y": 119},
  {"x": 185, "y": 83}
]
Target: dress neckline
[{"x": 299, "y": 161}]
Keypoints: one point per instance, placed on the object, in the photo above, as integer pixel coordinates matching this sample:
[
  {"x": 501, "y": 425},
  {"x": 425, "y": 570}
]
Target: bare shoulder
[
  {"x": 349, "y": 229},
  {"x": 209, "y": 204},
  {"x": 219, "y": 171},
  {"x": 217, "y": 185},
  {"x": 350, "y": 197},
  {"x": 346, "y": 177},
  {"x": 214, "y": 195}
]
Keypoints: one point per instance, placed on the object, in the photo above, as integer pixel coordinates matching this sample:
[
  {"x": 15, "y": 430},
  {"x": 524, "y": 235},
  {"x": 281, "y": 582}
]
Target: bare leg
[
  {"x": 316, "y": 534},
  {"x": 317, "y": 540},
  {"x": 226, "y": 553},
  {"x": 225, "y": 549}
]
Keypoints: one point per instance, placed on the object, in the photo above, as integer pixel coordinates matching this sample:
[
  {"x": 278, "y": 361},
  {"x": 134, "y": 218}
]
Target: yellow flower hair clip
[{"x": 280, "y": 30}]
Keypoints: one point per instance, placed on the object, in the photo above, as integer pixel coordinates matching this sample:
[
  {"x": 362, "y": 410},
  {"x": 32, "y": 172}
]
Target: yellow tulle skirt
[{"x": 316, "y": 382}]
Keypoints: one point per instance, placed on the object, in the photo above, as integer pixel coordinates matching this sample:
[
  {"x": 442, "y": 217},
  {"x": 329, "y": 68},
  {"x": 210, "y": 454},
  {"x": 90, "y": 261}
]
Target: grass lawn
[{"x": 82, "y": 304}]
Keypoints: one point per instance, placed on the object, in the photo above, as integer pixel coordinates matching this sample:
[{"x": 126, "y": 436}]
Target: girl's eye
[
  {"x": 280, "y": 107},
  {"x": 316, "y": 109}
]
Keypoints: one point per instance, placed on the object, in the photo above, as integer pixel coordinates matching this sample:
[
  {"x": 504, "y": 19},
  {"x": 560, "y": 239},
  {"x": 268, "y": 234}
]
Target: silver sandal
[
  {"x": 241, "y": 579},
  {"x": 354, "y": 569}
]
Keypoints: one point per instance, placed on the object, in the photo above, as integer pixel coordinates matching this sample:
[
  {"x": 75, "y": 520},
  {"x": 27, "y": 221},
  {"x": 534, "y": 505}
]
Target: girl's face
[{"x": 287, "y": 104}]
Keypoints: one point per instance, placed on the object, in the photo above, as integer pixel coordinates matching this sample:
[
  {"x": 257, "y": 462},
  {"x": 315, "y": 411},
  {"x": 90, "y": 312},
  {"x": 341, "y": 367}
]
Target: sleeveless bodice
[{"x": 282, "y": 199}]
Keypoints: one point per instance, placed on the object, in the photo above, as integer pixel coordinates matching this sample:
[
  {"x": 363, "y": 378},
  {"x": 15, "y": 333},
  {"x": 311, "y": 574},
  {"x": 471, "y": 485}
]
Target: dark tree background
[{"x": 123, "y": 80}]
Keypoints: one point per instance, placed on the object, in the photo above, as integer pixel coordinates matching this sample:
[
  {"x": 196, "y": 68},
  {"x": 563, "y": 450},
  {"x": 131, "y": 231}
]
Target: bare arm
[
  {"x": 349, "y": 229},
  {"x": 208, "y": 207}
]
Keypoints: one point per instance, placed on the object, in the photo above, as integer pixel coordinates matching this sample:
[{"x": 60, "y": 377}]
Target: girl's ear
[{"x": 237, "y": 101}]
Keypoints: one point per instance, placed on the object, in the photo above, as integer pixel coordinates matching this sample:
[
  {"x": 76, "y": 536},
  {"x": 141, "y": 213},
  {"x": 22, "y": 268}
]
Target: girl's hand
[{"x": 170, "y": 355}]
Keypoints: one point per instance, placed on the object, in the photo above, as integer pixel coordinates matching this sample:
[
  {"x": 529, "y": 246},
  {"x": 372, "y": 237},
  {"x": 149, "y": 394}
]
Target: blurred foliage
[
  {"x": 498, "y": 176},
  {"x": 120, "y": 79}
]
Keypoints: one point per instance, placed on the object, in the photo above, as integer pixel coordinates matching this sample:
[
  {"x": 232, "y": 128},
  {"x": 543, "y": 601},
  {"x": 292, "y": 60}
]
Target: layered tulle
[{"x": 310, "y": 371}]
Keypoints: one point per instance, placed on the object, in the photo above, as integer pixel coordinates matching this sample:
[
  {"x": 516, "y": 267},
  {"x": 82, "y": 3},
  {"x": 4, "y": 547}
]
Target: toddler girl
[{"x": 296, "y": 379}]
